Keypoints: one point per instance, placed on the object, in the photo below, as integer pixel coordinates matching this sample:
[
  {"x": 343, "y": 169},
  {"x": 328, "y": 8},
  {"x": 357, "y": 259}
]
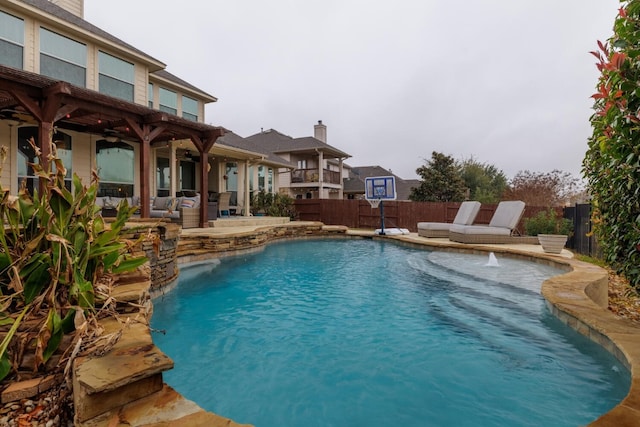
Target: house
[
  {"x": 246, "y": 169},
  {"x": 355, "y": 177},
  {"x": 317, "y": 166},
  {"x": 111, "y": 108}
]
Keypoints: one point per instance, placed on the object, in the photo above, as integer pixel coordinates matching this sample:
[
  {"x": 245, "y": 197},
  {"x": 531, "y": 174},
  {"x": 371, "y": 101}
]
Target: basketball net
[{"x": 374, "y": 203}]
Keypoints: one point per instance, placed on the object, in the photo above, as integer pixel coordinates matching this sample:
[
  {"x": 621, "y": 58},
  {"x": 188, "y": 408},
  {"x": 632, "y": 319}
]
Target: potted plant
[
  {"x": 551, "y": 229},
  {"x": 271, "y": 204}
]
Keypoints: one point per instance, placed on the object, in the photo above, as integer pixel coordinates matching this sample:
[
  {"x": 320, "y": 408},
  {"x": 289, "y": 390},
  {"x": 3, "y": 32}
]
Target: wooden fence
[
  {"x": 405, "y": 214},
  {"x": 401, "y": 214}
]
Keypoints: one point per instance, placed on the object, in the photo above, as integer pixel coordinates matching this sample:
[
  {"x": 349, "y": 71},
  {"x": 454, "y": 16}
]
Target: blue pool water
[{"x": 368, "y": 333}]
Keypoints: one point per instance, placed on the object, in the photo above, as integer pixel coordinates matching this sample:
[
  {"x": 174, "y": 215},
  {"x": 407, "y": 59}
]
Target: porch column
[
  {"x": 320, "y": 175},
  {"x": 145, "y": 194},
  {"x": 173, "y": 169},
  {"x": 247, "y": 192},
  {"x": 341, "y": 191}
]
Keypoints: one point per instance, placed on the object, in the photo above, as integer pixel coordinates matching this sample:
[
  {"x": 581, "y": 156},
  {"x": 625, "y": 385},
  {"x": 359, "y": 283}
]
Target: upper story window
[
  {"x": 189, "y": 108},
  {"x": 116, "y": 77},
  {"x": 11, "y": 40},
  {"x": 168, "y": 101},
  {"x": 63, "y": 58},
  {"x": 150, "y": 95}
]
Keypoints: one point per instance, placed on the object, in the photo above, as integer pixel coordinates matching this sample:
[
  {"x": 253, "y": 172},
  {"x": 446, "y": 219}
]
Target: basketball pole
[{"x": 382, "y": 217}]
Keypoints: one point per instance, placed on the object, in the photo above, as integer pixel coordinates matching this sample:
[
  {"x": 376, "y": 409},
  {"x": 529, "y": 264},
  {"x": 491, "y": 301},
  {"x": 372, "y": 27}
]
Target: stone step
[
  {"x": 131, "y": 370},
  {"x": 165, "y": 407},
  {"x": 248, "y": 221}
]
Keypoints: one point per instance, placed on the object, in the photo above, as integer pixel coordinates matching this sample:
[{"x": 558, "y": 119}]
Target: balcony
[{"x": 309, "y": 176}]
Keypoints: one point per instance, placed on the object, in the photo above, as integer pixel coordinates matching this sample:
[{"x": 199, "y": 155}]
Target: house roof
[
  {"x": 156, "y": 67},
  {"x": 277, "y": 142},
  {"x": 164, "y": 74},
  {"x": 355, "y": 182},
  {"x": 231, "y": 139}
]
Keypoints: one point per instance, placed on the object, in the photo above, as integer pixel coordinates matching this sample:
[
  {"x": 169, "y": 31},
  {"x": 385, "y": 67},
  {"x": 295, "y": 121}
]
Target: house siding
[{"x": 74, "y": 6}]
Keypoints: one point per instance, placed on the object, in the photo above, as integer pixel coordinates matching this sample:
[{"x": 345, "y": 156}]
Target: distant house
[
  {"x": 355, "y": 177},
  {"x": 316, "y": 167}
]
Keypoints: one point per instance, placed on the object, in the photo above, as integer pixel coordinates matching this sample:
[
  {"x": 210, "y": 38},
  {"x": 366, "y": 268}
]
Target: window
[
  {"x": 261, "y": 186},
  {"x": 27, "y": 155},
  {"x": 116, "y": 77},
  {"x": 115, "y": 163},
  {"x": 302, "y": 164},
  {"x": 189, "y": 108},
  {"x": 162, "y": 176},
  {"x": 270, "y": 181},
  {"x": 168, "y": 101},
  {"x": 62, "y": 58},
  {"x": 63, "y": 148},
  {"x": 11, "y": 40},
  {"x": 187, "y": 175},
  {"x": 150, "y": 95}
]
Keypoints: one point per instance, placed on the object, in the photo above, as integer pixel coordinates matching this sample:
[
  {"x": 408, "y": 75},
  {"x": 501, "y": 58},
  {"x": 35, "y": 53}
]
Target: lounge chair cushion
[
  {"x": 479, "y": 229},
  {"x": 466, "y": 215},
  {"x": 507, "y": 214}
]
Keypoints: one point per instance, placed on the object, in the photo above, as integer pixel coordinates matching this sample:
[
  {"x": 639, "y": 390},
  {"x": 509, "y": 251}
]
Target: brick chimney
[
  {"x": 320, "y": 132},
  {"x": 74, "y": 6}
]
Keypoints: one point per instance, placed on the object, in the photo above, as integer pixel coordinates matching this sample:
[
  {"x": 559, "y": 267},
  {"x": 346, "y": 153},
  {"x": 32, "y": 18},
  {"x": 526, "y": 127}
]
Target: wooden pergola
[{"x": 54, "y": 103}]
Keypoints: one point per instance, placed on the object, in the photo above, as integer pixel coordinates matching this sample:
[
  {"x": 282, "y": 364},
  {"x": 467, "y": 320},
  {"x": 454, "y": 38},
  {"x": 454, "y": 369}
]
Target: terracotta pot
[{"x": 552, "y": 243}]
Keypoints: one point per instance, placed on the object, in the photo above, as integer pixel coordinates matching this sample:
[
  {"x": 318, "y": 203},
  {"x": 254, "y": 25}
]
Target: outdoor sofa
[
  {"x": 466, "y": 214},
  {"x": 184, "y": 210}
]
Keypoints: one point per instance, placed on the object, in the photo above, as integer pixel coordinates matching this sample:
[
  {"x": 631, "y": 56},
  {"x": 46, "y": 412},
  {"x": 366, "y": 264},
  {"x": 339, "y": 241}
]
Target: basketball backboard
[{"x": 380, "y": 187}]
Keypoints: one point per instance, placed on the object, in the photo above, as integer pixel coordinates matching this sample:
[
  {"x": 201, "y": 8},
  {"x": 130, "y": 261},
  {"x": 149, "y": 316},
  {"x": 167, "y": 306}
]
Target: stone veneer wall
[
  {"x": 160, "y": 249},
  {"x": 199, "y": 247}
]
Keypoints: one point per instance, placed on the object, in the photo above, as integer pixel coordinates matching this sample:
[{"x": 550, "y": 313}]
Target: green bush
[
  {"x": 548, "y": 222},
  {"x": 272, "y": 204},
  {"x": 612, "y": 162},
  {"x": 54, "y": 247}
]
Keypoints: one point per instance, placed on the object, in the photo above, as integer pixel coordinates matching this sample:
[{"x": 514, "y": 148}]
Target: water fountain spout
[{"x": 493, "y": 261}]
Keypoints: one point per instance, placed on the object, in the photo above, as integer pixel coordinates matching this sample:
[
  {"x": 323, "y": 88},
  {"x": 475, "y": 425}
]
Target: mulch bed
[{"x": 624, "y": 301}]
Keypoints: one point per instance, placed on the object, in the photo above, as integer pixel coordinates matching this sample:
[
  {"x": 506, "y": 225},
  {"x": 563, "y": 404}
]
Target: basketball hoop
[{"x": 374, "y": 202}]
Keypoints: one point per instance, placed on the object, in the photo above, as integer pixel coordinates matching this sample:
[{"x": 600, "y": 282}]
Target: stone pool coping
[{"x": 578, "y": 297}]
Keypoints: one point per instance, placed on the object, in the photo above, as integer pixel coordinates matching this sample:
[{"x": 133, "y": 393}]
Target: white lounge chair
[
  {"x": 501, "y": 228},
  {"x": 466, "y": 215}
]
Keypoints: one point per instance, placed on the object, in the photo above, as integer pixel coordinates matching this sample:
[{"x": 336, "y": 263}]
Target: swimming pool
[{"x": 361, "y": 332}]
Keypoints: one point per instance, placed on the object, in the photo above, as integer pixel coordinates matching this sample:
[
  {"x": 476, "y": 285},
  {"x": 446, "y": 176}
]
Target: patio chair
[
  {"x": 467, "y": 213},
  {"x": 223, "y": 204},
  {"x": 501, "y": 228}
]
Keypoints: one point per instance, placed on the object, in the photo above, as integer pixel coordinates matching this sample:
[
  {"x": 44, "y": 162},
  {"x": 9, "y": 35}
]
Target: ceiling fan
[
  {"x": 112, "y": 135},
  {"x": 14, "y": 115}
]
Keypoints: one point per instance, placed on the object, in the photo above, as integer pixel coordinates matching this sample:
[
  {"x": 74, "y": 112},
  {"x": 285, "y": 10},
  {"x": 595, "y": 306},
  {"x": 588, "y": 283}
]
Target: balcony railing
[{"x": 305, "y": 176}]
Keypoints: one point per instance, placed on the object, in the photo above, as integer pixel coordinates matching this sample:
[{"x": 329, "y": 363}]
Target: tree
[
  {"x": 485, "y": 182},
  {"x": 441, "y": 181},
  {"x": 612, "y": 162},
  {"x": 555, "y": 188}
]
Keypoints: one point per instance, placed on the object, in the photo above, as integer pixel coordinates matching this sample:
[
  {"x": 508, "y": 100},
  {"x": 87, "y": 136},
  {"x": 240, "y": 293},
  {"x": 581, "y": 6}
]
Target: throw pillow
[{"x": 188, "y": 202}]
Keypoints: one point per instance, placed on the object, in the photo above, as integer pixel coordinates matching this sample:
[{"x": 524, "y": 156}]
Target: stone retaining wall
[{"x": 160, "y": 245}]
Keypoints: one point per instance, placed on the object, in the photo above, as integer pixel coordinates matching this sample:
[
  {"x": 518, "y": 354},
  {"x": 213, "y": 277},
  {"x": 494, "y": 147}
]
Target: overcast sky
[{"x": 505, "y": 81}]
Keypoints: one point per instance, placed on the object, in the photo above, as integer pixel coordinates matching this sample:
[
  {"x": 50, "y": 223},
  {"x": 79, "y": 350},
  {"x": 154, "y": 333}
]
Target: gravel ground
[{"x": 51, "y": 409}]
